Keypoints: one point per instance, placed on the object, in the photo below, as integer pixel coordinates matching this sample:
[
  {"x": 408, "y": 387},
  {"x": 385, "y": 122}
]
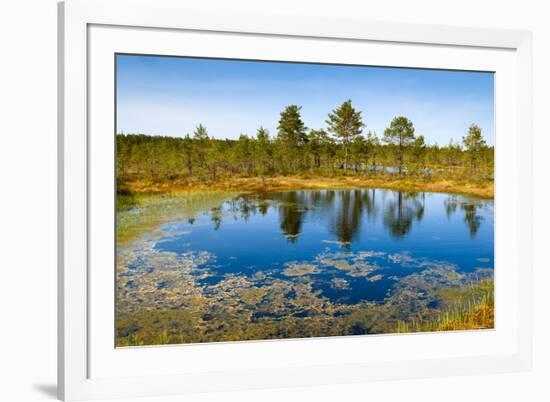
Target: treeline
[{"x": 341, "y": 148}]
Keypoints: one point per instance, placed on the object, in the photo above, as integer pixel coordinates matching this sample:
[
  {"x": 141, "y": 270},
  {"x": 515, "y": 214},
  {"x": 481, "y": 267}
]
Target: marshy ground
[{"x": 219, "y": 266}]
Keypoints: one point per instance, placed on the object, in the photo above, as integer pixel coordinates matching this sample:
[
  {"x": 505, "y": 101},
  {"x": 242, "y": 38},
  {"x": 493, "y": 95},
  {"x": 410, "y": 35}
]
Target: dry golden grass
[
  {"x": 484, "y": 189},
  {"x": 481, "y": 316},
  {"x": 475, "y": 310}
]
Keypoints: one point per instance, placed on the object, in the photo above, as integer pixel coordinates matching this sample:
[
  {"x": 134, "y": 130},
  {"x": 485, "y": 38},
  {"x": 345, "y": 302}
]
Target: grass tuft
[{"x": 473, "y": 308}]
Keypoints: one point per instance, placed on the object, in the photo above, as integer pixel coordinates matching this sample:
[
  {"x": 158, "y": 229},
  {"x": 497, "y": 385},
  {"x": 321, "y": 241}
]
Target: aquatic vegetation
[
  {"x": 165, "y": 301},
  {"x": 374, "y": 278},
  {"x": 140, "y": 213},
  {"x": 465, "y": 308},
  {"x": 354, "y": 264},
  {"x": 295, "y": 269},
  {"x": 339, "y": 283},
  {"x": 188, "y": 294}
]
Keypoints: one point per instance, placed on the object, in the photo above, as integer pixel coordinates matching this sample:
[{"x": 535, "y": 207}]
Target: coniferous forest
[{"x": 344, "y": 147}]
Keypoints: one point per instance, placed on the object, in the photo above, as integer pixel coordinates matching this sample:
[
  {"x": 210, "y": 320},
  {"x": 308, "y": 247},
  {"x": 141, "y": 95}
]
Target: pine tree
[
  {"x": 358, "y": 152},
  {"x": 200, "y": 139},
  {"x": 317, "y": 143},
  {"x": 291, "y": 135},
  {"x": 244, "y": 152},
  {"x": 452, "y": 153},
  {"x": 400, "y": 135},
  {"x": 346, "y": 123},
  {"x": 264, "y": 153},
  {"x": 475, "y": 145},
  {"x": 188, "y": 154},
  {"x": 418, "y": 151}
]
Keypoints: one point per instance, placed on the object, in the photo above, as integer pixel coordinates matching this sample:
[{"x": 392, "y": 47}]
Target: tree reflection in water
[
  {"x": 471, "y": 208},
  {"x": 344, "y": 211},
  {"x": 216, "y": 217},
  {"x": 347, "y": 218},
  {"x": 401, "y": 211},
  {"x": 472, "y": 218},
  {"x": 291, "y": 211}
]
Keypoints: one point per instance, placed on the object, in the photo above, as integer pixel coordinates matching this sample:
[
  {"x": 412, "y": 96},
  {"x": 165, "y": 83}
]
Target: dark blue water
[{"x": 401, "y": 233}]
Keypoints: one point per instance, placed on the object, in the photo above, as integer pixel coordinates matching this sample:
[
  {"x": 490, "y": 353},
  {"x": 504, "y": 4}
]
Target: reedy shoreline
[{"x": 466, "y": 186}]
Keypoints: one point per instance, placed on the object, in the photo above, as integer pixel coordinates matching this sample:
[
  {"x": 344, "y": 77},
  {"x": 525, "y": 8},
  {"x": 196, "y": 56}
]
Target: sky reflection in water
[{"x": 352, "y": 245}]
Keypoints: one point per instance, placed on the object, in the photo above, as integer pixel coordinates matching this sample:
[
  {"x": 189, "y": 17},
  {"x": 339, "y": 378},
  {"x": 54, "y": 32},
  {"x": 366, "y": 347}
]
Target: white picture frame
[{"x": 81, "y": 47}]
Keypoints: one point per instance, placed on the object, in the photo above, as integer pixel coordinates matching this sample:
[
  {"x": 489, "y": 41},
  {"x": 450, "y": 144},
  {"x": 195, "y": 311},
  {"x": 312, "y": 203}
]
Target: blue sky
[{"x": 171, "y": 95}]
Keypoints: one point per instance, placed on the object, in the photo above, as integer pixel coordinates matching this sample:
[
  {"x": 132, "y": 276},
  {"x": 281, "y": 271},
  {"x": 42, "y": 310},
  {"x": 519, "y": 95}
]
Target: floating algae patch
[
  {"x": 297, "y": 269},
  {"x": 353, "y": 264},
  {"x": 374, "y": 278},
  {"x": 253, "y": 295},
  {"x": 339, "y": 283},
  {"x": 342, "y": 264}
]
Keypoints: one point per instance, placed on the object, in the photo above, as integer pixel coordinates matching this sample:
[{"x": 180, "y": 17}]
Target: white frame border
[
  {"x": 104, "y": 42},
  {"x": 74, "y": 18}
]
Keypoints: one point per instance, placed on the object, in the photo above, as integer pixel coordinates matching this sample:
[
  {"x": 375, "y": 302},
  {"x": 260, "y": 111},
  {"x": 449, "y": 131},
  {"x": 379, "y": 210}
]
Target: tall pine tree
[
  {"x": 291, "y": 135},
  {"x": 346, "y": 123},
  {"x": 474, "y": 144},
  {"x": 400, "y": 134}
]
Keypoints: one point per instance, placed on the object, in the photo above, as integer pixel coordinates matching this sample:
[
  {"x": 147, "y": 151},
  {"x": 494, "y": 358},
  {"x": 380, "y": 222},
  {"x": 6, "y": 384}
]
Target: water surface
[
  {"x": 264, "y": 262},
  {"x": 400, "y": 232}
]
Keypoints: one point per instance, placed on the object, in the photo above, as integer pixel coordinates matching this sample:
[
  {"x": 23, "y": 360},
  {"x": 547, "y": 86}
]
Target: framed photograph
[{"x": 253, "y": 201}]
